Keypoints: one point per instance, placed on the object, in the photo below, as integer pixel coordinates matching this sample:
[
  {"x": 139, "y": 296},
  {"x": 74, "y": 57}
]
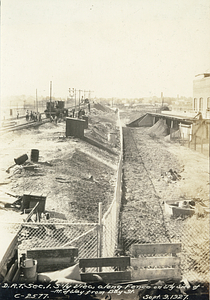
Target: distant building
[{"x": 201, "y": 94}]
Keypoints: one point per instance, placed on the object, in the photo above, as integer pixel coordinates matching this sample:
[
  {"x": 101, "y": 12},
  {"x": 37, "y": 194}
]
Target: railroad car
[
  {"x": 85, "y": 101},
  {"x": 56, "y": 108}
]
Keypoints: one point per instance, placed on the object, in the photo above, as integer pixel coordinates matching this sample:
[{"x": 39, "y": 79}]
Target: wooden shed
[{"x": 75, "y": 127}]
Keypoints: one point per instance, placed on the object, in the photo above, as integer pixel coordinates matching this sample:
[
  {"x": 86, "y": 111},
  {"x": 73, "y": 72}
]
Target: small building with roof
[{"x": 191, "y": 127}]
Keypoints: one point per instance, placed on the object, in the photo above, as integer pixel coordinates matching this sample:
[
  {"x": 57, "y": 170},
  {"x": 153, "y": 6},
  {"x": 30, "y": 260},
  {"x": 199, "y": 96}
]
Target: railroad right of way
[{"x": 142, "y": 219}]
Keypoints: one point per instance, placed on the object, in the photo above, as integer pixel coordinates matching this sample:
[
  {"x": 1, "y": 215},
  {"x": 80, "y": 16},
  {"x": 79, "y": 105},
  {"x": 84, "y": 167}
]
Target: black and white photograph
[{"x": 104, "y": 149}]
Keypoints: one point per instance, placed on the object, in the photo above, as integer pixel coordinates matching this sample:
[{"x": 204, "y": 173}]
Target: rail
[
  {"x": 14, "y": 127},
  {"x": 23, "y": 126}
]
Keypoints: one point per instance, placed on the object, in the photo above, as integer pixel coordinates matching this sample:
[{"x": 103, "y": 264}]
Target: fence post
[
  {"x": 189, "y": 140},
  {"x": 195, "y": 142},
  {"x": 201, "y": 145},
  {"x": 99, "y": 252}
]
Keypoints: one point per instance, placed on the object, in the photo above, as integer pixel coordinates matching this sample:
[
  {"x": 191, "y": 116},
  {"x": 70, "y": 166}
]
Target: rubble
[{"x": 170, "y": 176}]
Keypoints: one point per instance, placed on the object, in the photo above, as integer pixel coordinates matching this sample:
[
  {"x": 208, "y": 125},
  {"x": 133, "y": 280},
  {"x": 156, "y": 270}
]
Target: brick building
[{"x": 201, "y": 94}]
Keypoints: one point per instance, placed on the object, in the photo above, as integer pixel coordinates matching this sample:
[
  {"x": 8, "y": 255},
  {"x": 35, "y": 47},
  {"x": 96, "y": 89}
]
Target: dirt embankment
[{"x": 74, "y": 175}]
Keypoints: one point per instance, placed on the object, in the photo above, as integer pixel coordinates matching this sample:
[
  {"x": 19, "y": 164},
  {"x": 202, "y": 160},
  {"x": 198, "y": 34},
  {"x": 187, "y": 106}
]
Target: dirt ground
[
  {"x": 164, "y": 155},
  {"x": 76, "y": 176},
  {"x": 158, "y": 157}
]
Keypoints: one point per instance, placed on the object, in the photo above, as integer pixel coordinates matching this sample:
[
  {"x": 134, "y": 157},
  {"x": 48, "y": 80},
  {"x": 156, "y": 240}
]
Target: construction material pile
[
  {"x": 158, "y": 129},
  {"x": 101, "y": 107}
]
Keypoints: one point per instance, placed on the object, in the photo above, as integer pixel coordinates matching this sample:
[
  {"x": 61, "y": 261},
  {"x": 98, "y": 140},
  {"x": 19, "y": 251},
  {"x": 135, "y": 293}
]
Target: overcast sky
[{"x": 116, "y": 48}]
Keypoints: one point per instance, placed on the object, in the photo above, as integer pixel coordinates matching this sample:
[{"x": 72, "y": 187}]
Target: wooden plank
[
  {"x": 107, "y": 277},
  {"x": 53, "y": 259},
  {"x": 41, "y": 203},
  {"x": 49, "y": 264},
  {"x": 53, "y": 267},
  {"x": 36, "y": 196},
  {"x": 27, "y": 210},
  {"x": 56, "y": 260},
  {"x": 140, "y": 249},
  {"x": 31, "y": 213},
  {"x": 10, "y": 274},
  {"x": 143, "y": 262},
  {"x": 178, "y": 211},
  {"x": 26, "y": 200},
  {"x": 10, "y": 252},
  {"x": 17, "y": 275},
  {"x": 160, "y": 274},
  {"x": 121, "y": 261},
  {"x": 36, "y": 253}
]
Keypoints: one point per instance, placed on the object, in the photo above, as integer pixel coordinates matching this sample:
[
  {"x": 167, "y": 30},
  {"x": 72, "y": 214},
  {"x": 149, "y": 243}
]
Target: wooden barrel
[
  {"x": 34, "y": 155},
  {"x": 21, "y": 159}
]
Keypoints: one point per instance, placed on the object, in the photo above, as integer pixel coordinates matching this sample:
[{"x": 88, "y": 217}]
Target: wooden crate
[
  {"x": 30, "y": 200},
  {"x": 156, "y": 261},
  {"x": 119, "y": 263}
]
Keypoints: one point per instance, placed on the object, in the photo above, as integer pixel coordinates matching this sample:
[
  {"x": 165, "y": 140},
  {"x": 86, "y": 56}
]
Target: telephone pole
[
  {"x": 162, "y": 99},
  {"x": 36, "y": 102},
  {"x": 50, "y": 96},
  {"x": 89, "y": 94},
  {"x": 75, "y": 92},
  {"x": 79, "y": 98}
]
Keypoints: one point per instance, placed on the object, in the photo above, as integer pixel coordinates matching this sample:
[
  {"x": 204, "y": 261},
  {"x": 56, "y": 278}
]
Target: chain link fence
[
  {"x": 48, "y": 234},
  {"x": 110, "y": 220},
  {"x": 92, "y": 240},
  {"x": 144, "y": 220},
  {"x": 193, "y": 234},
  {"x": 150, "y": 225}
]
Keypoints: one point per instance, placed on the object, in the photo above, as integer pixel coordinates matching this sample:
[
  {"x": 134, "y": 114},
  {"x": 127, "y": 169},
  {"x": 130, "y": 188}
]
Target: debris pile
[
  {"x": 158, "y": 129},
  {"x": 8, "y": 200},
  {"x": 101, "y": 107},
  {"x": 171, "y": 176}
]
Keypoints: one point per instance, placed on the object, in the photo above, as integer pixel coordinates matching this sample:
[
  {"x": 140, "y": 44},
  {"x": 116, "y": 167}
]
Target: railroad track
[
  {"x": 14, "y": 127},
  {"x": 142, "y": 219}
]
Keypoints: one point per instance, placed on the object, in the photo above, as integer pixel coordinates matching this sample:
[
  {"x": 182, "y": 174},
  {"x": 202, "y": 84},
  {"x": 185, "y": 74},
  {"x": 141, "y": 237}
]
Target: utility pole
[
  {"x": 79, "y": 98},
  {"x": 50, "y": 96},
  {"x": 89, "y": 94},
  {"x": 71, "y": 94},
  {"x": 36, "y": 102},
  {"x": 85, "y": 94},
  {"x": 75, "y": 92},
  {"x": 162, "y": 99}
]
